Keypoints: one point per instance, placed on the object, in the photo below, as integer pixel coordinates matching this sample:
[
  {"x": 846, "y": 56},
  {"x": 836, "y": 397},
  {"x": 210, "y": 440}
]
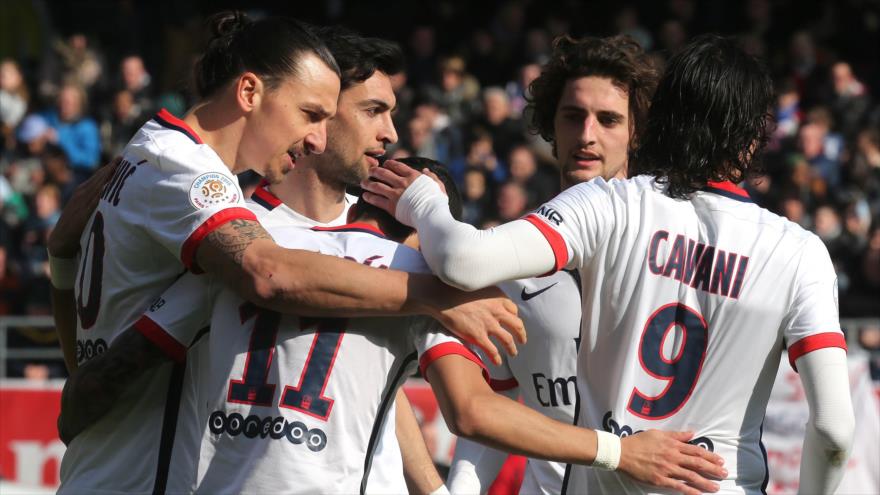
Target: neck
[
  {"x": 303, "y": 191},
  {"x": 219, "y": 130}
]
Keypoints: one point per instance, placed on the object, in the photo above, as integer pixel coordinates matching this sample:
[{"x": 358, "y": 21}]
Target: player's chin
[{"x": 572, "y": 176}]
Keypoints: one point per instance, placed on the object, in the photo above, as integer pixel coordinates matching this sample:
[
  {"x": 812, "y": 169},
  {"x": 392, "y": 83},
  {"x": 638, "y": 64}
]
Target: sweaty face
[
  {"x": 592, "y": 128},
  {"x": 291, "y": 119},
  {"x": 360, "y": 130}
]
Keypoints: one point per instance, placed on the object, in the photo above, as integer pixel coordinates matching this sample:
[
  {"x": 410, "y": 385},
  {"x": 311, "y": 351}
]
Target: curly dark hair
[
  {"x": 619, "y": 58},
  {"x": 709, "y": 118}
]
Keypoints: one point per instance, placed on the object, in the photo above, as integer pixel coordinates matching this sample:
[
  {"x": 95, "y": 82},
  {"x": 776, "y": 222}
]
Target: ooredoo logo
[{"x": 211, "y": 189}]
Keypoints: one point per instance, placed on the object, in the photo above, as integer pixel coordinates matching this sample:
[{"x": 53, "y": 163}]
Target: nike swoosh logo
[{"x": 526, "y": 296}]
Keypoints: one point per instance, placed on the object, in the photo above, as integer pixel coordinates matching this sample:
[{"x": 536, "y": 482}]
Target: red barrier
[{"x": 30, "y": 451}]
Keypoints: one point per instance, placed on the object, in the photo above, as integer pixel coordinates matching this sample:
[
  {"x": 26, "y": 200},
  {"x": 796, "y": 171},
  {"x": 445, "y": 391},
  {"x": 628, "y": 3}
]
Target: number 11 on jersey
[{"x": 308, "y": 395}]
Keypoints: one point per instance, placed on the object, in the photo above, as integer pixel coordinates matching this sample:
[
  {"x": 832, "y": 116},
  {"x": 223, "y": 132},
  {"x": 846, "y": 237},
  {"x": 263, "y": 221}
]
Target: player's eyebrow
[
  {"x": 383, "y": 105},
  {"x": 611, "y": 113},
  {"x": 319, "y": 110},
  {"x": 572, "y": 108}
]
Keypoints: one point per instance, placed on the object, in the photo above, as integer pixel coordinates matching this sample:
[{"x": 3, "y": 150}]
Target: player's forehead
[
  {"x": 375, "y": 90},
  {"x": 594, "y": 94},
  {"x": 313, "y": 84}
]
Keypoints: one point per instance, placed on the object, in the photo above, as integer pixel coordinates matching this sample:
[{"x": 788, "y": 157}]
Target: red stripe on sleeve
[
  {"x": 503, "y": 385},
  {"x": 557, "y": 243},
  {"x": 191, "y": 245},
  {"x": 157, "y": 335},
  {"x": 814, "y": 342},
  {"x": 445, "y": 349}
]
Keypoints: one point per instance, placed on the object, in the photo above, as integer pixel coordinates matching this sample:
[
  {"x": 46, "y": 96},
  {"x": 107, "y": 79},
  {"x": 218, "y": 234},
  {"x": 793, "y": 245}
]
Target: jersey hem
[
  {"x": 557, "y": 243},
  {"x": 162, "y": 339},
  {"x": 446, "y": 349},
  {"x": 191, "y": 245},
  {"x": 814, "y": 343}
]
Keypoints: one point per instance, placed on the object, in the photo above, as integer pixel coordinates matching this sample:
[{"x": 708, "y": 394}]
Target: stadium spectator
[
  {"x": 137, "y": 81},
  {"x": 74, "y": 131},
  {"x": 14, "y": 97}
]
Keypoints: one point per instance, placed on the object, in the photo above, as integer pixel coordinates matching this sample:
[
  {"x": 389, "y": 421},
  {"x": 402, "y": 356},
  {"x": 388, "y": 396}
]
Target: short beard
[{"x": 332, "y": 170}]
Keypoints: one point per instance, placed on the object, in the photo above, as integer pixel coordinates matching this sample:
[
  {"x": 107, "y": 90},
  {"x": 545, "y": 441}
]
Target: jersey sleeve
[
  {"x": 575, "y": 222},
  {"x": 433, "y": 343},
  {"x": 501, "y": 377},
  {"x": 813, "y": 322},
  {"x": 195, "y": 194},
  {"x": 175, "y": 318}
]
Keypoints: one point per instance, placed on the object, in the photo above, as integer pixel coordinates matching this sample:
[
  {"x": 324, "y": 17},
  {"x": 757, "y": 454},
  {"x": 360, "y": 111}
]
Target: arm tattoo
[
  {"x": 234, "y": 237},
  {"x": 96, "y": 386}
]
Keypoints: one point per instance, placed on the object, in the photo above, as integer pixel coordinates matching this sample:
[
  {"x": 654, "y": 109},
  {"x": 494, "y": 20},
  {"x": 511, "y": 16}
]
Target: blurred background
[{"x": 79, "y": 77}]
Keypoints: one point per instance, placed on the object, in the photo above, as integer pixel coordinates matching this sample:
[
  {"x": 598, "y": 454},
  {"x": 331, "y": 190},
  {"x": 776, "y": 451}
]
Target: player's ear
[{"x": 248, "y": 91}]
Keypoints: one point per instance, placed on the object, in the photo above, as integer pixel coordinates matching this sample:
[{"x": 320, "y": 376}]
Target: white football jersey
[
  {"x": 543, "y": 371},
  {"x": 273, "y": 213},
  {"x": 386, "y": 475},
  {"x": 296, "y": 405},
  {"x": 169, "y": 192},
  {"x": 687, "y": 306}
]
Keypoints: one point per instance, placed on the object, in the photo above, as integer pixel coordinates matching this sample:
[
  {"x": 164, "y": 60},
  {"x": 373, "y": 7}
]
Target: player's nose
[{"x": 316, "y": 141}]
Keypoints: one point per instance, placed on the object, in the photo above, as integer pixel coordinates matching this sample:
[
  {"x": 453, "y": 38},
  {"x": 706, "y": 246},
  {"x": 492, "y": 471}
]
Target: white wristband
[
  {"x": 62, "y": 272},
  {"x": 607, "y": 451},
  {"x": 440, "y": 490}
]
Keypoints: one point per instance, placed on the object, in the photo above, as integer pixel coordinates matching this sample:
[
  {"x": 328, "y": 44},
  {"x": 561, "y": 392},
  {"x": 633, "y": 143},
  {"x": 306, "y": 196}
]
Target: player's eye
[{"x": 610, "y": 120}]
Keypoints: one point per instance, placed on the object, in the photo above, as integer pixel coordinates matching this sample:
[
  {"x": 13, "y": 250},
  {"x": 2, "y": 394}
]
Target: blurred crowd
[{"x": 73, "y": 90}]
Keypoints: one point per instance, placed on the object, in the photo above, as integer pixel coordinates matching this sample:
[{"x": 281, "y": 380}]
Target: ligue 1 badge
[{"x": 213, "y": 189}]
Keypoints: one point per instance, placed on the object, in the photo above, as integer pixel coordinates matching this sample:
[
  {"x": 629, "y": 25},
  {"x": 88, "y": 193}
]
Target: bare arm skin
[
  {"x": 471, "y": 409},
  {"x": 247, "y": 260},
  {"x": 94, "y": 388},
  {"x": 421, "y": 476}
]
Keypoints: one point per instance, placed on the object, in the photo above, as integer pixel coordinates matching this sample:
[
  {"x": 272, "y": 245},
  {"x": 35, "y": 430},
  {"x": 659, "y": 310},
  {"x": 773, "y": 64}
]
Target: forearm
[
  {"x": 93, "y": 390},
  {"x": 829, "y": 433},
  {"x": 466, "y": 257},
  {"x": 64, "y": 312},
  {"x": 418, "y": 467},
  {"x": 472, "y": 410},
  {"x": 318, "y": 285}
]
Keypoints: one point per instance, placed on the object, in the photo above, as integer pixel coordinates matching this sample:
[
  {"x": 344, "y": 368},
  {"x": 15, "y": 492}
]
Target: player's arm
[
  {"x": 458, "y": 253},
  {"x": 63, "y": 245},
  {"x": 474, "y": 465},
  {"x": 95, "y": 387},
  {"x": 817, "y": 350},
  {"x": 418, "y": 467},
  {"x": 830, "y": 429},
  {"x": 243, "y": 255},
  {"x": 471, "y": 409}
]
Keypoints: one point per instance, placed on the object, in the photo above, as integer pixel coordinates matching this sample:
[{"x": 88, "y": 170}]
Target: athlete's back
[
  {"x": 169, "y": 192},
  {"x": 687, "y": 306}
]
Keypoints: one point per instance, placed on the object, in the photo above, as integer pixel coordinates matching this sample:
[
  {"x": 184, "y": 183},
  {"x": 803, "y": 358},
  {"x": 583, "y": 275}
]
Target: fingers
[
  {"x": 694, "y": 481},
  {"x": 379, "y": 201},
  {"x": 505, "y": 338},
  {"x": 513, "y": 326},
  {"x": 703, "y": 466},
  {"x": 489, "y": 349},
  {"x": 700, "y": 452},
  {"x": 391, "y": 178},
  {"x": 379, "y": 188},
  {"x": 401, "y": 169},
  {"x": 681, "y": 436}
]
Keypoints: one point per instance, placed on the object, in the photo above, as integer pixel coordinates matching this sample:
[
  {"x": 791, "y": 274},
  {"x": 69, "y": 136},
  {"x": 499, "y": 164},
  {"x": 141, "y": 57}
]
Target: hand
[
  {"x": 476, "y": 316},
  {"x": 387, "y": 184},
  {"x": 64, "y": 240},
  {"x": 664, "y": 459}
]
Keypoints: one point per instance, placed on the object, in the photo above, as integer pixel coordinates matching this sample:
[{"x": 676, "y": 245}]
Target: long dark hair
[
  {"x": 270, "y": 47},
  {"x": 709, "y": 118}
]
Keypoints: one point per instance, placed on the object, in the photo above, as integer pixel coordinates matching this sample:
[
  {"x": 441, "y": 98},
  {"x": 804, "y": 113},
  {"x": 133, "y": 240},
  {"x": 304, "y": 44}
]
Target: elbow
[
  {"x": 836, "y": 436},
  {"x": 466, "y": 420}
]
